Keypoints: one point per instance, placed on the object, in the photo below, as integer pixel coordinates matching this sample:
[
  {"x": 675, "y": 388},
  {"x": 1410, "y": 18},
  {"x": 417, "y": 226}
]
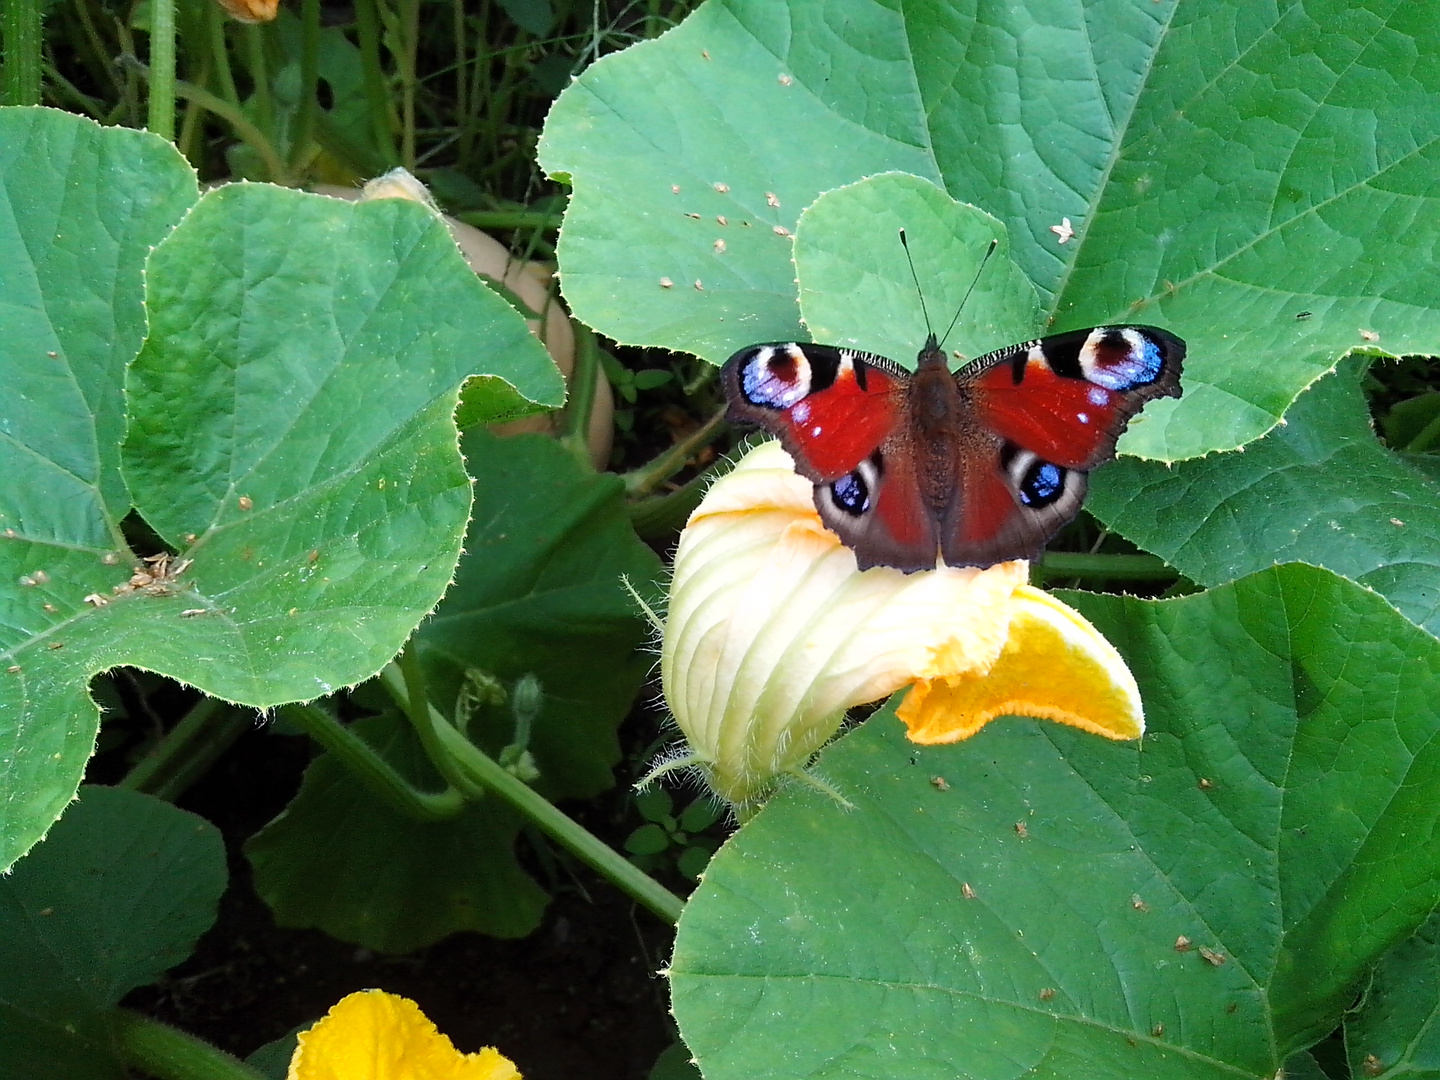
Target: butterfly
[{"x": 975, "y": 467}]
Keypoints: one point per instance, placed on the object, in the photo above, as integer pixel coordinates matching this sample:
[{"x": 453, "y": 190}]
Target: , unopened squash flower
[
  {"x": 772, "y": 633},
  {"x": 372, "y": 1035},
  {"x": 251, "y": 11}
]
